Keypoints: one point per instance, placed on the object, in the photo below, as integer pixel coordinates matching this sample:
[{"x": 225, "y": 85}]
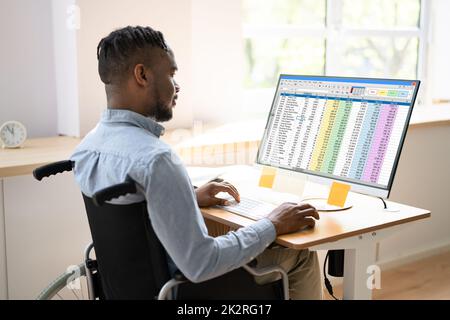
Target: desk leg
[{"x": 356, "y": 262}]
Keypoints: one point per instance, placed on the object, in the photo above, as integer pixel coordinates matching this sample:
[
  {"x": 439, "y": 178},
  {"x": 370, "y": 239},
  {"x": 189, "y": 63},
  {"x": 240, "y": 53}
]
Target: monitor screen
[{"x": 349, "y": 129}]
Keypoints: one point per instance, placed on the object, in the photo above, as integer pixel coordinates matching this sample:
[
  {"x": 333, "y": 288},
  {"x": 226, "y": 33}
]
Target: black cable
[
  {"x": 384, "y": 202},
  {"x": 327, "y": 282}
]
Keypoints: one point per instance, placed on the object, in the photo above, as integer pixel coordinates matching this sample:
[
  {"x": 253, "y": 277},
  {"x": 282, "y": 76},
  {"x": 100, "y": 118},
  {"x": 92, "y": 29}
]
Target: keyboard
[{"x": 249, "y": 208}]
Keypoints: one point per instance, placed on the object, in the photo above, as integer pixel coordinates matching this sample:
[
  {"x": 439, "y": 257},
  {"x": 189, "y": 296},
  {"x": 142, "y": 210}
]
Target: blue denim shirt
[{"x": 125, "y": 144}]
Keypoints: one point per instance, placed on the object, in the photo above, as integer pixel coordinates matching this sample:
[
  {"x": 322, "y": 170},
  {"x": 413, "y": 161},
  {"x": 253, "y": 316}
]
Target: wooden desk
[
  {"x": 366, "y": 216},
  {"x": 35, "y": 153},
  {"x": 356, "y": 230}
]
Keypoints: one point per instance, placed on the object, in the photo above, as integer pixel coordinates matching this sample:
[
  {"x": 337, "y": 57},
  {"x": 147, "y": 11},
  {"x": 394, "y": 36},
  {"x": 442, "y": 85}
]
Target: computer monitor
[{"x": 339, "y": 128}]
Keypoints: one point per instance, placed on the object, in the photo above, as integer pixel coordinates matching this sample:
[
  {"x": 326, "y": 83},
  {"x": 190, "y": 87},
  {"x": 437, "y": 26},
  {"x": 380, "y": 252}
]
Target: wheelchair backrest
[{"x": 131, "y": 260}]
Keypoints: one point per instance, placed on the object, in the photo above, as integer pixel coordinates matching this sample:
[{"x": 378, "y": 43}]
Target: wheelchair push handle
[
  {"x": 52, "y": 169},
  {"x": 115, "y": 191}
]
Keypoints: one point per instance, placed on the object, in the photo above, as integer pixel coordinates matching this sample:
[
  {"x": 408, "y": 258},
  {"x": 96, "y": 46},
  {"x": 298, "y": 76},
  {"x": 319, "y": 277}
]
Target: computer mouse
[{"x": 304, "y": 228}]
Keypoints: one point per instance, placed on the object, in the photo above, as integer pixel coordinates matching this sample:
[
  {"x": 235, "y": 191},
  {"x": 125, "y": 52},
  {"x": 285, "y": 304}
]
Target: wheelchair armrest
[
  {"x": 250, "y": 268},
  {"x": 101, "y": 196},
  {"x": 179, "y": 278},
  {"x": 52, "y": 169},
  {"x": 166, "y": 291}
]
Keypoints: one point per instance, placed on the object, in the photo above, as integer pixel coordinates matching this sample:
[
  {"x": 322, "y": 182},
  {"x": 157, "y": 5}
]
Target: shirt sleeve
[{"x": 179, "y": 225}]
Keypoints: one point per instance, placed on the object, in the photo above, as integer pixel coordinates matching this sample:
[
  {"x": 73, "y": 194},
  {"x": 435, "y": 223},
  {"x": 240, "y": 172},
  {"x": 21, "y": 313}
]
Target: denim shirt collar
[{"x": 128, "y": 116}]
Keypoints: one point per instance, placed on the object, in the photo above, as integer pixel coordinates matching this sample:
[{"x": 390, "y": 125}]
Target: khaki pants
[{"x": 302, "y": 268}]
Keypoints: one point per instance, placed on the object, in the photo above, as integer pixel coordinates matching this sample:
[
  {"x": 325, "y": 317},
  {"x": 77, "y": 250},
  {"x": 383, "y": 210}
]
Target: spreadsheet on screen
[{"x": 338, "y": 127}]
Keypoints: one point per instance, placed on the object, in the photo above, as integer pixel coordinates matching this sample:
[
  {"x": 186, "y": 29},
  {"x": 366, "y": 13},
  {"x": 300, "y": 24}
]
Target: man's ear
[{"x": 142, "y": 75}]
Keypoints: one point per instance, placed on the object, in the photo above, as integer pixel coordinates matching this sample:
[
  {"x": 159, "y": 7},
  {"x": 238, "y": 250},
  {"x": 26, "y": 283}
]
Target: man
[{"x": 138, "y": 68}]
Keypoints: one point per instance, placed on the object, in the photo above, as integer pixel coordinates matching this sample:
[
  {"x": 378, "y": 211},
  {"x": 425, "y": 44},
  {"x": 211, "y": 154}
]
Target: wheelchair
[{"x": 131, "y": 263}]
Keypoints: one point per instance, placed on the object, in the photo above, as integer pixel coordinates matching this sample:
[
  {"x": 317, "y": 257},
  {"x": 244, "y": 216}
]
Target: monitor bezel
[{"x": 358, "y": 187}]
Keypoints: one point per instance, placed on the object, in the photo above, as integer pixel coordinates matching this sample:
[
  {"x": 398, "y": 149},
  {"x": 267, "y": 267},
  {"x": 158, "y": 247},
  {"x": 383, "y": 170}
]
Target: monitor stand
[
  {"x": 294, "y": 183},
  {"x": 290, "y": 182},
  {"x": 321, "y": 205}
]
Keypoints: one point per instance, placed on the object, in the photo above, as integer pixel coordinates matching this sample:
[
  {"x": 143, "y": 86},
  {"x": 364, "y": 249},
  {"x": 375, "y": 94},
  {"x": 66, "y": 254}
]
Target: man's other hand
[
  {"x": 291, "y": 217},
  {"x": 206, "y": 194}
]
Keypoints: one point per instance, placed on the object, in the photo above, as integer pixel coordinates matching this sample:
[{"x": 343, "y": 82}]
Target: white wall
[
  {"x": 422, "y": 180},
  {"x": 205, "y": 36},
  {"x": 64, "y": 13},
  {"x": 439, "y": 48},
  {"x": 49, "y": 76},
  {"x": 100, "y": 17},
  {"x": 27, "y": 76},
  {"x": 218, "y": 60}
]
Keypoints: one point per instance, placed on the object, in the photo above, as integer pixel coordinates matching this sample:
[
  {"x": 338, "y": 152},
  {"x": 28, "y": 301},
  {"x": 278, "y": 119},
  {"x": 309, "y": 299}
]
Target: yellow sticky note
[
  {"x": 267, "y": 177},
  {"x": 338, "y": 194}
]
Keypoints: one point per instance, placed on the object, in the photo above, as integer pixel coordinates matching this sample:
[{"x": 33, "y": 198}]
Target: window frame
[{"x": 333, "y": 29}]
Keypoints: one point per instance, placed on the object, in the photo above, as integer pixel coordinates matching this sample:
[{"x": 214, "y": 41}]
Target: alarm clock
[{"x": 12, "y": 134}]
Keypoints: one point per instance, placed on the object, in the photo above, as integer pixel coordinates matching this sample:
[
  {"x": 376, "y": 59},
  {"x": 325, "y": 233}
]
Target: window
[{"x": 370, "y": 38}]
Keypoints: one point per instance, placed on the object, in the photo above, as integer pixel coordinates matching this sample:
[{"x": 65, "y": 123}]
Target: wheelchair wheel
[{"x": 71, "y": 285}]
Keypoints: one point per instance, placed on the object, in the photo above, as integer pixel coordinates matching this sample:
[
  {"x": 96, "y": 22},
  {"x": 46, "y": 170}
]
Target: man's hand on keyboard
[
  {"x": 206, "y": 194},
  {"x": 290, "y": 217}
]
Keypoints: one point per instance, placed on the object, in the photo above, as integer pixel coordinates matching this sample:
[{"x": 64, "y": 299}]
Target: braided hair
[{"x": 122, "y": 49}]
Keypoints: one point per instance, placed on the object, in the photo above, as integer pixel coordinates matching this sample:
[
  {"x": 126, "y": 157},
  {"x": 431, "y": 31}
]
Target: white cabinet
[
  {"x": 3, "y": 277},
  {"x": 46, "y": 230}
]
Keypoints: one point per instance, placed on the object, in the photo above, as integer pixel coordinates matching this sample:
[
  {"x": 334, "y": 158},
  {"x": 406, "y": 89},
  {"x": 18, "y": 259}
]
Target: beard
[{"x": 161, "y": 112}]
